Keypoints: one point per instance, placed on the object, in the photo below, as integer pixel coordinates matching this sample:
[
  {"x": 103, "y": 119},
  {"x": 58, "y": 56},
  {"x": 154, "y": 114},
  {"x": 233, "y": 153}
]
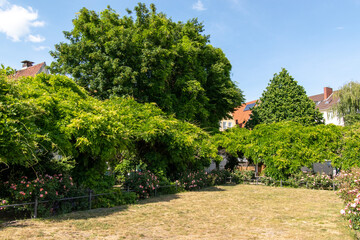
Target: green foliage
[
  {"x": 194, "y": 180},
  {"x": 284, "y": 100},
  {"x": 240, "y": 176},
  {"x": 144, "y": 183},
  {"x": 305, "y": 180},
  {"x": 116, "y": 197},
  {"x": 45, "y": 188},
  {"x": 284, "y": 147},
  {"x": 219, "y": 177},
  {"x": 350, "y": 157},
  {"x": 152, "y": 59},
  {"x": 348, "y": 106},
  {"x": 50, "y": 123},
  {"x": 349, "y": 192}
]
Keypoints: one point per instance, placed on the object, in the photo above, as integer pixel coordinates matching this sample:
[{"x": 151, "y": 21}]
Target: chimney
[
  {"x": 327, "y": 92},
  {"x": 26, "y": 64}
]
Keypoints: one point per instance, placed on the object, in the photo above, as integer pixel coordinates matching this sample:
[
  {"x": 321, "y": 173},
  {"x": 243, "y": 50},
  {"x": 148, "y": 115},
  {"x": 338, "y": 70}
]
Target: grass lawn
[{"x": 224, "y": 212}]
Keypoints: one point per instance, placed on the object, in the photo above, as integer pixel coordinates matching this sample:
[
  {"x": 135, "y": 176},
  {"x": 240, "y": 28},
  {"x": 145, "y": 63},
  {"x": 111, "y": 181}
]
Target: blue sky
[{"x": 317, "y": 41}]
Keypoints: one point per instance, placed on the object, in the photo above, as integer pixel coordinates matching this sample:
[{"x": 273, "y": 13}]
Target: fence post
[
  {"x": 155, "y": 192},
  {"x": 176, "y": 186},
  {"x": 230, "y": 179},
  {"x": 256, "y": 181},
  {"x": 280, "y": 182},
  {"x": 36, "y": 207},
  {"x": 89, "y": 199},
  {"x": 333, "y": 186}
]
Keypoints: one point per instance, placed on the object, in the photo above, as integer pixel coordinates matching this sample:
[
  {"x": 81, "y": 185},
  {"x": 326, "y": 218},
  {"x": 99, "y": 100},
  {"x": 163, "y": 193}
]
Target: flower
[
  {"x": 342, "y": 211},
  {"x": 41, "y": 195}
]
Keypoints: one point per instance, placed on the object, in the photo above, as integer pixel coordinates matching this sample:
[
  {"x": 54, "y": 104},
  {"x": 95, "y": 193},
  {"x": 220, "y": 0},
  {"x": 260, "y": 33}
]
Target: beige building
[{"x": 324, "y": 102}]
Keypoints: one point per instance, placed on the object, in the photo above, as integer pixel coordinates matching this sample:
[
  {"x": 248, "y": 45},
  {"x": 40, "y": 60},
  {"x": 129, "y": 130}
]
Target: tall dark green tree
[
  {"x": 152, "y": 59},
  {"x": 284, "y": 100}
]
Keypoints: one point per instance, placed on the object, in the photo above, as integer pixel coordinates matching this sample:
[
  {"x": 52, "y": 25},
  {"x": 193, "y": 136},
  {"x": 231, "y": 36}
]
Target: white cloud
[
  {"x": 36, "y": 38},
  {"x": 339, "y": 28},
  {"x": 40, "y": 48},
  {"x": 16, "y": 21},
  {"x": 38, "y": 24},
  {"x": 3, "y": 3},
  {"x": 198, "y": 6}
]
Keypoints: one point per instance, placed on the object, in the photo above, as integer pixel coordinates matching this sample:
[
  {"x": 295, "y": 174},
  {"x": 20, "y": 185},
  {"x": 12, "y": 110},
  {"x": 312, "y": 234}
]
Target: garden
[
  {"x": 132, "y": 126},
  {"x": 59, "y": 145},
  {"x": 224, "y": 212}
]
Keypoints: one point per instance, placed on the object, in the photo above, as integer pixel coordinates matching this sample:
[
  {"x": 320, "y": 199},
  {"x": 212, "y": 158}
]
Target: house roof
[
  {"x": 324, "y": 104},
  {"x": 30, "y": 71},
  {"x": 241, "y": 115}
]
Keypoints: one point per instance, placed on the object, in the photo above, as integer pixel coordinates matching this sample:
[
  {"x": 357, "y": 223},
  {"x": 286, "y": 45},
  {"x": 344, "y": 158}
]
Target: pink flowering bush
[
  {"x": 45, "y": 187},
  {"x": 306, "y": 180},
  {"x": 195, "y": 180},
  {"x": 349, "y": 185},
  {"x": 144, "y": 183},
  {"x": 352, "y": 213}
]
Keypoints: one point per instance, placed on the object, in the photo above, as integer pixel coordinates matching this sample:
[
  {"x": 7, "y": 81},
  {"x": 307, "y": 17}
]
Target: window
[
  {"x": 230, "y": 124},
  {"x": 249, "y": 106},
  {"x": 224, "y": 125}
]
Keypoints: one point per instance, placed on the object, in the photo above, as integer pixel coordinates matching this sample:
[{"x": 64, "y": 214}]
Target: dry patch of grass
[{"x": 226, "y": 212}]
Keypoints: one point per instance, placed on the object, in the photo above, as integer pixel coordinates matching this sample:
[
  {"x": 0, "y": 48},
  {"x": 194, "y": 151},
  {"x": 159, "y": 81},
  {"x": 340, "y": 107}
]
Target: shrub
[
  {"x": 45, "y": 187},
  {"x": 115, "y": 197},
  {"x": 144, "y": 183},
  {"x": 219, "y": 177},
  {"x": 312, "y": 181},
  {"x": 349, "y": 184},
  {"x": 240, "y": 176},
  {"x": 195, "y": 180}
]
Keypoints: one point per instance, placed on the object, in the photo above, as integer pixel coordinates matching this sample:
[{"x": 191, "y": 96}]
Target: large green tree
[
  {"x": 152, "y": 59},
  {"x": 284, "y": 100},
  {"x": 348, "y": 106},
  {"x": 50, "y": 114}
]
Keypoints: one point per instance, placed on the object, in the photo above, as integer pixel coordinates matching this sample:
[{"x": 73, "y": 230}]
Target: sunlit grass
[{"x": 226, "y": 212}]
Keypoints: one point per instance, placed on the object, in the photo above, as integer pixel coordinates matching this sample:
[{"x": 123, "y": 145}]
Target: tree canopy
[
  {"x": 152, "y": 59},
  {"x": 46, "y": 117},
  {"x": 285, "y": 147},
  {"x": 348, "y": 106},
  {"x": 284, "y": 100}
]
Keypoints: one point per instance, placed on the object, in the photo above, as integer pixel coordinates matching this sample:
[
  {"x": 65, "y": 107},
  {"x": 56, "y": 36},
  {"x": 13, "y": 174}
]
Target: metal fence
[{"x": 91, "y": 194}]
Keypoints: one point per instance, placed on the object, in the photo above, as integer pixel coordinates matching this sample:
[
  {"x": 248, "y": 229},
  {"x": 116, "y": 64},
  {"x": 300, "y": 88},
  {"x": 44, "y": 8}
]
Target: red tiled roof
[
  {"x": 322, "y": 104},
  {"x": 30, "y": 71},
  {"x": 242, "y": 116}
]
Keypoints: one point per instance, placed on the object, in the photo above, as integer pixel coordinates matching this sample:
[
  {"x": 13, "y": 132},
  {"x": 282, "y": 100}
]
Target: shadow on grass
[
  {"x": 13, "y": 224},
  {"x": 103, "y": 212},
  {"x": 212, "y": 189}
]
